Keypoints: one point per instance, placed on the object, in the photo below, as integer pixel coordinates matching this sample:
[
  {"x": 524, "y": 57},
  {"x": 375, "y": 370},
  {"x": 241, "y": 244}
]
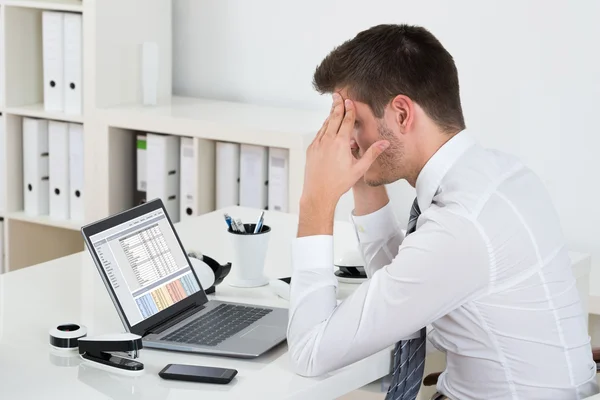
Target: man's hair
[{"x": 387, "y": 60}]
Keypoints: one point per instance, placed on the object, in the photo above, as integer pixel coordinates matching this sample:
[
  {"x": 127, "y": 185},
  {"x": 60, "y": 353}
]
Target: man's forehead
[
  {"x": 347, "y": 94},
  {"x": 362, "y": 109}
]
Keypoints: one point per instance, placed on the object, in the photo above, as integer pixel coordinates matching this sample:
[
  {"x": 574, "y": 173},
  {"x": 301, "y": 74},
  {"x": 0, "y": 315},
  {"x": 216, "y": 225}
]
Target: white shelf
[
  {"x": 44, "y": 220},
  {"x": 37, "y": 111},
  {"x": 111, "y": 94},
  {"x": 57, "y": 5},
  {"x": 221, "y": 120}
]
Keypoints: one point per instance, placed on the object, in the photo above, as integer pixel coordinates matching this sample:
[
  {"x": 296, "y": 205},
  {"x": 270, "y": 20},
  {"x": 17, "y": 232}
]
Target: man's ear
[{"x": 403, "y": 109}]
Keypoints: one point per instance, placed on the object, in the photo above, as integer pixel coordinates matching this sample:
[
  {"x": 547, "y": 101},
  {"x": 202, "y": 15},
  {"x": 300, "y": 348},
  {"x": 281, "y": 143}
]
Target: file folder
[
  {"x": 253, "y": 176},
  {"x": 278, "y": 179},
  {"x": 140, "y": 160},
  {"x": 53, "y": 60},
  {"x": 58, "y": 137},
  {"x": 36, "y": 184},
  {"x": 76, "y": 174},
  {"x": 227, "y": 171},
  {"x": 197, "y": 186},
  {"x": 73, "y": 63},
  {"x": 162, "y": 166},
  {"x": 2, "y": 165}
]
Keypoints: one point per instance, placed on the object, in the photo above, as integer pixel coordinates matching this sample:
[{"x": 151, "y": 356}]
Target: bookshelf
[{"x": 113, "y": 32}]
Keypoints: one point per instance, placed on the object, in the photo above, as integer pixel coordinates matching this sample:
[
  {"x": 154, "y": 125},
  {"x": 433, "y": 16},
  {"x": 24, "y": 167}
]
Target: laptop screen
[{"x": 145, "y": 265}]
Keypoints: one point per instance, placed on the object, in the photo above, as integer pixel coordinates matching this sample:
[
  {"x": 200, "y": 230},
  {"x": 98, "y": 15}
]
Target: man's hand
[{"x": 332, "y": 169}]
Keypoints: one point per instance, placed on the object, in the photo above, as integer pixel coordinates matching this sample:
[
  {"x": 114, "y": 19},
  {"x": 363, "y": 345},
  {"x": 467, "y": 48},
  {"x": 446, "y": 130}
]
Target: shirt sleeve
[
  {"x": 438, "y": 268},
  {"x": 379, "y": 237}
]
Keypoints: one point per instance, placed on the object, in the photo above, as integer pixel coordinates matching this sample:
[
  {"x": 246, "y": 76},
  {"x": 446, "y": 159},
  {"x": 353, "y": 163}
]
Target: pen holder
[{"x": 249, "y": 254}]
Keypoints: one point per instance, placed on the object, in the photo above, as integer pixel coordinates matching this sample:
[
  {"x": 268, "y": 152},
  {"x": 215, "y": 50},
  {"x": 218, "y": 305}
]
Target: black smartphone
[{"x": 197, "y": 373}]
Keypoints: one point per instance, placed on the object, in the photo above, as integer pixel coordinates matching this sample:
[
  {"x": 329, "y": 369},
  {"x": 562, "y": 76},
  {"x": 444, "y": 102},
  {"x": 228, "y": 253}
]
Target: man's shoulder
[
  {"x": 469, "y": 184},
  {"x": 452, "y": 217},
  {"x": 484, "y": 162}
]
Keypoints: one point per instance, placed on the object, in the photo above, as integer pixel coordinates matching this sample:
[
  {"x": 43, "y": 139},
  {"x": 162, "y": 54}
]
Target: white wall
[{"x": 529, "y": 71}]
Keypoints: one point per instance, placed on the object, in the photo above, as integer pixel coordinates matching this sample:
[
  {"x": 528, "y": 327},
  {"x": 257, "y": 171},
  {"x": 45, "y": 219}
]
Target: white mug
[{"x": 249, "y": 254}]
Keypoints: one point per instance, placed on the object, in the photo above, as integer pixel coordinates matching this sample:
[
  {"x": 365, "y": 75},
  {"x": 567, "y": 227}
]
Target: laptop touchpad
[{"x": 262, "y": 332}]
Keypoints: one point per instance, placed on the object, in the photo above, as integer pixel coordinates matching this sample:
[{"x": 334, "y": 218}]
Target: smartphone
[{"x": 197, "y": 373}]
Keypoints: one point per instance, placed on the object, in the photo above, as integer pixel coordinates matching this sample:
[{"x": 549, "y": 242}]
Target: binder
[
  {"x": 227, "y": 171},
  {"x": 254, "y": 176},
  {"x": 278, "y": 179},
  {"x": 76, "y": 174},
  {"x": 58, "y": 137},
  {"x": 162, "y": 166},
  {"x": 2, "y": 165},
  {"x": 36, "y": 184},
  {"x": 2, "y": 256},
  {"x": 73, "y": 63},
  {"x": 140, "y": 160},
  {"x": 197, "y": 185},
  {"x": 53, "y": 60}
]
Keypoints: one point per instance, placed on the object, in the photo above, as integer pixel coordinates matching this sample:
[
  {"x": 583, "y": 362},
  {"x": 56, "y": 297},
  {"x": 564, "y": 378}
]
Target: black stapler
[{"x": 100, "y": 349}]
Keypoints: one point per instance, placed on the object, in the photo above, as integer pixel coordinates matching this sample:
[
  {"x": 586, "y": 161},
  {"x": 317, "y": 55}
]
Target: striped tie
[{"x": 409, "y": 355}]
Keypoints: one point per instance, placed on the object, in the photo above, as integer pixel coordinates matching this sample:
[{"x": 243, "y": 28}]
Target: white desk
[{"x": 69, "y": 289}]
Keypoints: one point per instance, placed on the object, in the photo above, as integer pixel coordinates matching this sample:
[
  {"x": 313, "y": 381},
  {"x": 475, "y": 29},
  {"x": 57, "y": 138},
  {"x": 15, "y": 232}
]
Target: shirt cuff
[
  {"x": 378, "y": 225},
  {"x": 312, "y": 252}
]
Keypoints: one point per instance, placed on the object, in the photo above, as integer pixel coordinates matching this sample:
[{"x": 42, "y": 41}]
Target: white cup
[{"x": 249, "y": 254}]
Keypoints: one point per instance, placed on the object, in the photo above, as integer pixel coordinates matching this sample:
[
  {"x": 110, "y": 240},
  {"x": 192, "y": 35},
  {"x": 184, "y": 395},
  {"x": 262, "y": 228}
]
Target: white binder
[
  {"x": 58, "y": 137},
  {"x": 253, "y": 176},
  {"x": 36, "y": 185},
  {"x": 2, "y": 165},
  {"x": 227, "y": 171},
  {"x": 197, "y": 186},
  {"x": 76, "y": 167},
  {"x": 73, "y": 63},
  {"x": 140, "y": 169},
  {"x": 162, "y": 157},
  {"x": 278, "y": 179},
  {"x": 53, "y": 60}
]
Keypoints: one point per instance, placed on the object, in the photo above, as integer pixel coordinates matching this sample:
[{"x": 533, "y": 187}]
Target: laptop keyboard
[{"x": 217, "y": 325}]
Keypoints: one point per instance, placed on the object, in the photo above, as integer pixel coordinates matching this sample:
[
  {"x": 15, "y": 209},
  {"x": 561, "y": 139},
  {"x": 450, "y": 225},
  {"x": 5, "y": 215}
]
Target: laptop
[{"x": 158, "y": 296}]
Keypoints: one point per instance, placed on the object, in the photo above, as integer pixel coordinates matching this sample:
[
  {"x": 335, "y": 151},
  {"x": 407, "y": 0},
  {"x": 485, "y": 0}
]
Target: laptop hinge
[{"x": 175, "y": 319}]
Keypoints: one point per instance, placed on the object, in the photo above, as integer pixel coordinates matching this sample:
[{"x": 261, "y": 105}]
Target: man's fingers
[
  {"x": 363, "y": 164},
  {"x": 345, "y": 131},
  {"x": 322, "y": 130},
  {"x": 335, "y": 119}
]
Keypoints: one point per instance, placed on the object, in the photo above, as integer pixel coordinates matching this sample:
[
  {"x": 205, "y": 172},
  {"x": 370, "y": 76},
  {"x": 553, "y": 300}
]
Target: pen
[
  {"x": 240, "y": 225},
  {"x": 259, "y": 223},
  {"x": 228, "y": 220}
]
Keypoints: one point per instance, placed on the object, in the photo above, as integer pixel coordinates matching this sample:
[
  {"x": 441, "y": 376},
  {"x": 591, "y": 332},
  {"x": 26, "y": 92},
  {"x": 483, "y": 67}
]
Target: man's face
[{"x": 389, "y": 166}]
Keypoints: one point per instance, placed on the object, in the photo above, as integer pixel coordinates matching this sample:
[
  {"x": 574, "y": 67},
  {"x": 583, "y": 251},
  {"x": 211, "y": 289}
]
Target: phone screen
[{"x": 197, "y": 370}]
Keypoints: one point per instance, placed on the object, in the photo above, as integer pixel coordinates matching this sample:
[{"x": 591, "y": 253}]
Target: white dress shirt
[{"x": 487, "y": 269}]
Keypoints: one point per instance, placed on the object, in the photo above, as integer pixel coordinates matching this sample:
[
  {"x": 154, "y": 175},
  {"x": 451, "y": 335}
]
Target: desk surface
[{"x": 34, "y": 299}]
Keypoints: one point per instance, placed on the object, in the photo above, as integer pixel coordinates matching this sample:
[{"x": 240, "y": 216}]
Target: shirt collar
[{"x": 430, "y": 177}]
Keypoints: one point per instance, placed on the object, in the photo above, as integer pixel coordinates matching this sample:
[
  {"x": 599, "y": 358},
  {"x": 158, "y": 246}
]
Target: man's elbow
[
  {"x": 307, "y": 368},
  {"x": 304, "y": 362}
]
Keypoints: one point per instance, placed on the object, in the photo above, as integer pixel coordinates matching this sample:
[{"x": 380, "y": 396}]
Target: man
[{"x": 485, "y": 264}]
